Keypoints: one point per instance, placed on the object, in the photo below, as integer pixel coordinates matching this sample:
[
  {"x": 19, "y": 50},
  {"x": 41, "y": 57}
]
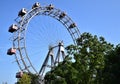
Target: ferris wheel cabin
[
  {"x": 13, "y": 28},
  {"x": 50, "y": 7},
  {"x": 22, "y": 12},
  {"x": 37, "y": 4},
  {"x": 62, "y": 15},
  {"x": 19, "y": 74},
  {"x": 11, "y": 51},
  {"x": 72, "y": 25}
]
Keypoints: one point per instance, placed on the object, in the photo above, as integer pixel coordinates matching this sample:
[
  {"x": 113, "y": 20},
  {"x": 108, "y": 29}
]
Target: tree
[
  {"x": 51, "y": 78},
  {"x": 34, "y": 78},
  {"x": 89, "y": 58},
  {"x": 87, "y": 61},
  {"x": 26, "y": 79},
  {"x": 111, "y": 72}
]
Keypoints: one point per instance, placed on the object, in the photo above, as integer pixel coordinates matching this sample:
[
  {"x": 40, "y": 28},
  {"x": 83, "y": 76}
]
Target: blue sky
[{"x": 99, "y": 17}]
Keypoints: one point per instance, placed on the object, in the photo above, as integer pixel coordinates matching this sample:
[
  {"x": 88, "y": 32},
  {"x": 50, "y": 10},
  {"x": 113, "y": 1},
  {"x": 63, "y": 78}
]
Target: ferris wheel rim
[{"x": 18, "y": 40}]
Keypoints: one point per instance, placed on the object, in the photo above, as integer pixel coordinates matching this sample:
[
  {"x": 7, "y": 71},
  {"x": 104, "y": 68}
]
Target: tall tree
[
  {"x": 87, "y": 60},
  {"x": 111, "y": 72}
]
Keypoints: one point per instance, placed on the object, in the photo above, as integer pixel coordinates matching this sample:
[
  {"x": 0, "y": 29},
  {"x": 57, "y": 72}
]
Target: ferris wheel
[{"x": 37, "y": 28}]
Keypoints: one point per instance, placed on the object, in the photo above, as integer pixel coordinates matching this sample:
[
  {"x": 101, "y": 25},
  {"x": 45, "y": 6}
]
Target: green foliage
[
  {"x": 34, "y": 78},
  {"x": 89, "y": 57},
  {"x": 111, "y": 72},
  {"x": 51, "y": 78},
  {"x": 92, "y": 61},
  {"x": 25, "y": 79},
  {"x": 58, "y": 81},
  {"x": 28, "y": 78}
]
